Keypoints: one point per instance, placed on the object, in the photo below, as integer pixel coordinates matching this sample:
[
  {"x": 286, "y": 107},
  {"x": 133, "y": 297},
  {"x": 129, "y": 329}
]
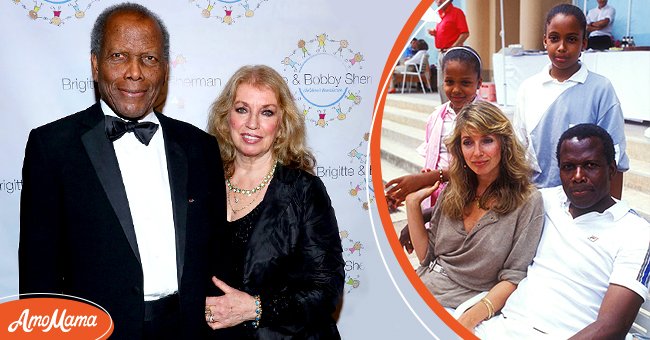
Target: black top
[
  {"x": 239, "y": 232},
  {"x": 288, "y": 251}
]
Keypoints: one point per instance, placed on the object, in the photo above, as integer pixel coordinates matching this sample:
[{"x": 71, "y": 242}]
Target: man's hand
[
  {"x": 616, "y": 315},
  {"x": 405, "y": 239}
]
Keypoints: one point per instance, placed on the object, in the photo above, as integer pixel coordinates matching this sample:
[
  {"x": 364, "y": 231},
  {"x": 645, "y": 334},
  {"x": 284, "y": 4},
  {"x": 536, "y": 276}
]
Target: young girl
[
  {"x": 461, "y": 67},
  {"x": 564, "y": 94}
]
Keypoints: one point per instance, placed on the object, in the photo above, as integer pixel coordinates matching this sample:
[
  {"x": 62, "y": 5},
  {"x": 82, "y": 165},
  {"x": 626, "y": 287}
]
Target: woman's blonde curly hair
[
  {"x": 289, "y": 147},
  {"x": 511, "y": 188}
]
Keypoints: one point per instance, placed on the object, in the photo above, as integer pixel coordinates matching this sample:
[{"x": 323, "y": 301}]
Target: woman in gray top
[{"x": 488, "y": 221}]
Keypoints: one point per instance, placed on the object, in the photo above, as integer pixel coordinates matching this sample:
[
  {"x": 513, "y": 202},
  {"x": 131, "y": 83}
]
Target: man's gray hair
[{"x": 99, "y": 29}]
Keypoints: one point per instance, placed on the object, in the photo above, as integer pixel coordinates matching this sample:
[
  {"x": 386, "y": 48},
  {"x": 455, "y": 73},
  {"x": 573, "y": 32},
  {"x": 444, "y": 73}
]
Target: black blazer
[
  {"x": 294, "y": 260},
  {"x": 76, "y": 231}
]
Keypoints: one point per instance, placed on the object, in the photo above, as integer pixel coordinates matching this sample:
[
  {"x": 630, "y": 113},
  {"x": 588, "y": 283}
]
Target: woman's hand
[
  {"x": 415, "y": 198},
  {"x": 496, "y": 299},
  {"x": 470, "y": 319},
  {"x": 230, "y": 309}
]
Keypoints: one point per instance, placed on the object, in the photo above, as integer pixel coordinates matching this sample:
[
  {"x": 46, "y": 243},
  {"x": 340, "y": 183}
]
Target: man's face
[
  {"x": 602, "y": 3},
  {"x": 440, "y": 2},
  {"x": 585, "y": 175},
  {"x": 131, "y": 68}
]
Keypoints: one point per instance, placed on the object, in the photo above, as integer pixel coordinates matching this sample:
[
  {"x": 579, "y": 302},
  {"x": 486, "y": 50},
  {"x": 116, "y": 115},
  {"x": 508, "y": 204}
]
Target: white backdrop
[{"x": 331, "y": 52}]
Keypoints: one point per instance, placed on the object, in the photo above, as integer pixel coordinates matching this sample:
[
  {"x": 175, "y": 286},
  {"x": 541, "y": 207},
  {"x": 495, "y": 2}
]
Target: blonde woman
[
  {"x": 281, "y": 232},
  {"x": 487, "y": 223}
]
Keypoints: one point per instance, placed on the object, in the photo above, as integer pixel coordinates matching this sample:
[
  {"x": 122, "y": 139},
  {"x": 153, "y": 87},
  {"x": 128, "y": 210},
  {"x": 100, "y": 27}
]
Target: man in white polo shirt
[
  {"x": 600, "y": 21},
  {"x": 590, "y": 274}
]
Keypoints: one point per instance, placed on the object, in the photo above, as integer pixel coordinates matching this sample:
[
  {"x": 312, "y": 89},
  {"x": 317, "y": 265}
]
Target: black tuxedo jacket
[{"x": 76, "y": 231}]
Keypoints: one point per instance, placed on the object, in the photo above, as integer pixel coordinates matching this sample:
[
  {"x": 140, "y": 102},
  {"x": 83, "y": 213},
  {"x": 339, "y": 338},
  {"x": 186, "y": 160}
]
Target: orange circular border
[{"x": 375, "y": 162}]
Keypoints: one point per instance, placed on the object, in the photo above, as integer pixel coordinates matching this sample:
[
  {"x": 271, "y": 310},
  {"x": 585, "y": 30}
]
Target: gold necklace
[
  {"x": 249, "y": 192},
  {"x": 236, "y": 210},
  {"x": 477, "y": 199}
]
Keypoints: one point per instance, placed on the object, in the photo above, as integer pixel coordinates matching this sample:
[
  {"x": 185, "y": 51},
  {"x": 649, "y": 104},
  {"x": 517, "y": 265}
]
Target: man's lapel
[
  {"x": 102, "y": 156},
  {"x": 177, "y": 168}
]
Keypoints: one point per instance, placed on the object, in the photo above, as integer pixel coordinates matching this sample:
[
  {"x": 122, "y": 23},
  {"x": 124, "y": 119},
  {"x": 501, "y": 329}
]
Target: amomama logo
[{"x": 53, "y": 318}]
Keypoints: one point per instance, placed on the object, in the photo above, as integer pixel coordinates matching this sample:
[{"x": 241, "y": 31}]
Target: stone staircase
[{"x": 403, "y": 125}]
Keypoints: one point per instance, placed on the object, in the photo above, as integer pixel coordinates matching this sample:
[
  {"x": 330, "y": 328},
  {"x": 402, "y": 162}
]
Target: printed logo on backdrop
[
  {"x": 352, "y": 247},
  {"x": 327, "y": 78},
  {"x": 228, "y": 12},
  {"x": 182, "y": 77},
  {"x": 11, "y": 186},
  {"x": 55, "y": 12},
  {"x": 353, "y": 171},
  {"x": 358, "y": 155},
  {"x": 358, "y": 191},
  {"x": 352, "y": 256}
]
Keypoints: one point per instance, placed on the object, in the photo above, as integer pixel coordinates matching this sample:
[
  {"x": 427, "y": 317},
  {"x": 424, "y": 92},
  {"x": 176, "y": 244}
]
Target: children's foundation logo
[
  {"x": 55, "y": 12},
  {"x": 357, "y": 190},
  {"x": 185, "y": 78},
  {"x": 228, "y": 12},
  {"x": 67, "y": 317},
  {"x": 353, "y": 260},
  {"x": 326, "y": 75}
]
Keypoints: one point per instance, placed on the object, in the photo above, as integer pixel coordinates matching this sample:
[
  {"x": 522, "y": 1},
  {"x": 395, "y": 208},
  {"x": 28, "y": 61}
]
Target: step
[
  {"x": 407, "y": 117},
  {"x": 423, "y": 103},
  {"x": 390, "y": 171},
  {"x": 401, "y": 156},
  {"x": 406, "y": 135},
  {"x": 637, "y": 147},
  {"x": 638, "y": 177}
]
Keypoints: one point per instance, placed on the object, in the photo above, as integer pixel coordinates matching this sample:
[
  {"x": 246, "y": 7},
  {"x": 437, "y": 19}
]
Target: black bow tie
[{"x": 116, "y": 128}]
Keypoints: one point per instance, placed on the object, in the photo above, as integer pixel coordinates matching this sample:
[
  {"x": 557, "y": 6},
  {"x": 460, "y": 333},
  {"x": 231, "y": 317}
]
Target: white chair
[{"x": 419, "y": 63}]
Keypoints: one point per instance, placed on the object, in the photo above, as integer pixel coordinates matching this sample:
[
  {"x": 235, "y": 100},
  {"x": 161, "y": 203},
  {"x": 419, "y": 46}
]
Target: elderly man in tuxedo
[{"x": 120, "y": 202}]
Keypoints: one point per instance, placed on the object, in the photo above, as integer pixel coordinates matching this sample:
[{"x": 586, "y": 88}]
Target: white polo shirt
[{"x": 576, "y": 261}]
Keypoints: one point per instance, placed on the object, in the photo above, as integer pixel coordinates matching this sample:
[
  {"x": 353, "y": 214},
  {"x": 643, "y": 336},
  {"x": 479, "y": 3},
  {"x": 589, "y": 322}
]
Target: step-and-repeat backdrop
[{"x": 331, "y": 53}]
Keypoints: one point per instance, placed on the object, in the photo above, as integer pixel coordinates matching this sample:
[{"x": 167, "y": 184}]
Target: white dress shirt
[{"x": 146, "y": 180}]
